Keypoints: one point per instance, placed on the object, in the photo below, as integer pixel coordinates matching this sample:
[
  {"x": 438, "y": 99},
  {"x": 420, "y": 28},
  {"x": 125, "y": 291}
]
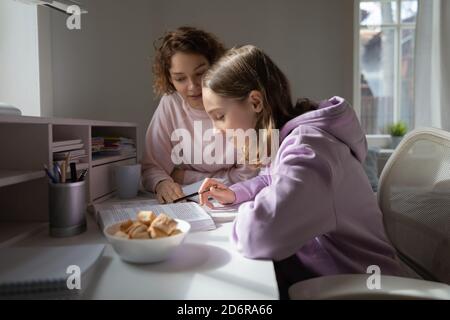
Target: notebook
[
  {"x": 221, "y": 213},
  {"x": 41, "y": 272}
]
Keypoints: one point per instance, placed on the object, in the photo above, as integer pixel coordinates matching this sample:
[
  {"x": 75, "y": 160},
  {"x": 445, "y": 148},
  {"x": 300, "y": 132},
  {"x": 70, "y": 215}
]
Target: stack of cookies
[{"x": 148, "y": 226}]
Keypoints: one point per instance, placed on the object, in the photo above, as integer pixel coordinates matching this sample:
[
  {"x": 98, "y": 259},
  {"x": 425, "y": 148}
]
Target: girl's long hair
[{"x": 247, "y": 68}]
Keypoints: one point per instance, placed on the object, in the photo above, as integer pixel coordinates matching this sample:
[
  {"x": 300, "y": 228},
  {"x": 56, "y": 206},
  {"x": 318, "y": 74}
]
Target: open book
[
  {"x": 201, "y": 218},
  {"x": 191, "y": 212}
]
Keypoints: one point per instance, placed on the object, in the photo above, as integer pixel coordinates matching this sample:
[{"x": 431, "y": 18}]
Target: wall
[
  {"x": 104, "y": 70},
  {"x": 19, "y": 67}
]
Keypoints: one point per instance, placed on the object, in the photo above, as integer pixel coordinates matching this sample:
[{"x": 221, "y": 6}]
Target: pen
[
  {"x": 65, "y": 166},
  {"x": 82, "y": 175},
  {"x": 50, "y": 175},
  {"x": 63, "y": 172},
  {"x": 191, "y": 195},
  {"x": 73, "y": 172},
  {"x": 57, "y": 172}
]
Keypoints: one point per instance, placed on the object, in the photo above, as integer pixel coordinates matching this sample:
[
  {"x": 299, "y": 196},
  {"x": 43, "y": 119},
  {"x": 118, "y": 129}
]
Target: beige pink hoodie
[{"x": 174, "y": 113}]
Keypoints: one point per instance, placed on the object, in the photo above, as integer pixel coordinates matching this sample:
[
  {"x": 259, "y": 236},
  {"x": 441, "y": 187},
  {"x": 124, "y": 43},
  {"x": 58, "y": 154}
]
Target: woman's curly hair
[{"x": 183, "y": 39}]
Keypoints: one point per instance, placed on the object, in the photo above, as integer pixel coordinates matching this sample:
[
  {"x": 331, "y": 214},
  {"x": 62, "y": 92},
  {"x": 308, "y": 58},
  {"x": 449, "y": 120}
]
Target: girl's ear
[{"x": 256, "y": 99}]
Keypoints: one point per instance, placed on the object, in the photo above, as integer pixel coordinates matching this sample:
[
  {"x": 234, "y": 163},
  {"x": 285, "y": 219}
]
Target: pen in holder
[{"x": 67, "y": 207}]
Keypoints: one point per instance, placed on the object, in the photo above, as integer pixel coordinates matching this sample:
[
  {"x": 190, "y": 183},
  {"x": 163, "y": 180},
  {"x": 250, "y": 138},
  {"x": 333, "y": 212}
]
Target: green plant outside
[{"x": 398, "y": 129}]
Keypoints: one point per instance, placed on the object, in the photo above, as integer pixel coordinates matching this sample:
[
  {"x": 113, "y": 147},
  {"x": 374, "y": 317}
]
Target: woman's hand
[
  {"x": 168, "y": 191},
  {"x": 178, "y": 175},
  {"x": 217, "y": 190}
]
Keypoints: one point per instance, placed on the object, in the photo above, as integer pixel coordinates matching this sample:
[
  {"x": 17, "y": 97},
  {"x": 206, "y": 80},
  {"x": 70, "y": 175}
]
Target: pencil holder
[{"x": 67, "y": 208}]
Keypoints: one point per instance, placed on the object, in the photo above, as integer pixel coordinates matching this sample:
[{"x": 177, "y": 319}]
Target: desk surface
[{"x": 206, "y": 266}]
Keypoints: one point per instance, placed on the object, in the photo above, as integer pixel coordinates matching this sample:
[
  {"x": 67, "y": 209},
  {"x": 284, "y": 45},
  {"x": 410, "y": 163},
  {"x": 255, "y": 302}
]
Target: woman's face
[
  {"x": 227, "y": 113},
  {"x": 186, "y": 71}
]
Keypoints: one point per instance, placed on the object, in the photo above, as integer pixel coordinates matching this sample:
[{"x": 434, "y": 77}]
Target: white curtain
[{"x": 432, "y": 72}]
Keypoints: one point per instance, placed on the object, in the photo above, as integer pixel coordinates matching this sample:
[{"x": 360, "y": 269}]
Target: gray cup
[
  {"x": 67, "y": 207},
  {"x": 127, "y": 179}
]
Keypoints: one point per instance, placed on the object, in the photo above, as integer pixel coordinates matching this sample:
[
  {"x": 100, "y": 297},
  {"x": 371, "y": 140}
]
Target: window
[{"x": 384, "y": 76}]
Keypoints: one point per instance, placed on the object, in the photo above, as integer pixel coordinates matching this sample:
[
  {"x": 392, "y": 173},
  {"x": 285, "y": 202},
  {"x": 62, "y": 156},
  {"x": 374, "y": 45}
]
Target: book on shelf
[
  {"x": 111, "y": 146},
  {"x": 97, "y": 144},
  {"x": 115, "y": 151},
  {"x": 74, "y": 154},
  {"x": 68, "y": 147},
  {"x": 109, "y": 139},
  {"x": 65, "y": 142}
]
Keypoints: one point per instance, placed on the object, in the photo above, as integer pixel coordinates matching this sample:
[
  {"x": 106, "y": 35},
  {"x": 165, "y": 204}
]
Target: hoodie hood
[{"x": 336, "y": 117}]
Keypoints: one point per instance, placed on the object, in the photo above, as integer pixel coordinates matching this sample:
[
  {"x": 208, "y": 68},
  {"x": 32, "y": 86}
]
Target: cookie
[
  {"x": 137, "y": 228},
  {"x": 140, "y": 235},
  {"x": 146, "y": 217},
  {"x": 133, "y": 226},
  {"x": 125, "y": 225},
  {"x": 164, "y": 223},
  {"x": 148, "y": 226},
  {"x": 156, "y": 233}
]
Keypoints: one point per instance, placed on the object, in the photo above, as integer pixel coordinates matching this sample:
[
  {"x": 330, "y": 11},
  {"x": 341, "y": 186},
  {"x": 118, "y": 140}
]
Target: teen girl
[
  {"x": 182, "y": 58},
  {"x": 312, "y": 210}
]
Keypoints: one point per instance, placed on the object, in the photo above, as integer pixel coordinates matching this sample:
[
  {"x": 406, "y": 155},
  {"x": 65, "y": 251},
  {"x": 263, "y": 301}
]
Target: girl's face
[
  {"x": 227, "y": 113},
  {"x": 186, "y": 71}
]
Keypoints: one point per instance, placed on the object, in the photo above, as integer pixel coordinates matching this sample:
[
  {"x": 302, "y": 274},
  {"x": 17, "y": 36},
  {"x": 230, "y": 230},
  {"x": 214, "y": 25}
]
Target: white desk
[{"x": 206, "y": 266}]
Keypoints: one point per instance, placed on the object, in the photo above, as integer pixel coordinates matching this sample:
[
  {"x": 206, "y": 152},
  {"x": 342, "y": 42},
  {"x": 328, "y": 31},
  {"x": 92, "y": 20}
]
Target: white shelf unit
[
  {"x": 10, "y": 177},
  {"x": 27, "y": 145}
]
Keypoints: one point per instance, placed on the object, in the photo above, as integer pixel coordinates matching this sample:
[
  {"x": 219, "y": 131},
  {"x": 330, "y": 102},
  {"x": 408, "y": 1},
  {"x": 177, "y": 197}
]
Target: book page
[
  {"x": 185, "y": 211},
  {"x": 191, "y": 212}
]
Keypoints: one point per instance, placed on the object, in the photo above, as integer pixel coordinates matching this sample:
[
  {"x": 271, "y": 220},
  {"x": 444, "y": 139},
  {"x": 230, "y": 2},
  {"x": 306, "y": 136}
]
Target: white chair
[{"x": 414, "y": 196}]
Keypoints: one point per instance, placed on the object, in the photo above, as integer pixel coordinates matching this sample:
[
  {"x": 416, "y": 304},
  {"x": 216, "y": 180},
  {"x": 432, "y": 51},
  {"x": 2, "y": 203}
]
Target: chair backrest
[{"x": 414, "y": 196}]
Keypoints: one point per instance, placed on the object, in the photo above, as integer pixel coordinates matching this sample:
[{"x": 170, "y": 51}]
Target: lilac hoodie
[{"x": 315, "y": 200}]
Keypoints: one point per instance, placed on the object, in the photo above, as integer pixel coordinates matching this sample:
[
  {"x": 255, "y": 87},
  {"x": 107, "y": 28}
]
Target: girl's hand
[
  {"x": 217, "y": 190},
  {"x": 168, "y": 191},
  {"x": 178, "y": 175}
]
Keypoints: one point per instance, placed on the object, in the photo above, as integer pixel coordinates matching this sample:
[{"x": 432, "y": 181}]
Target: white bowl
[{"x": 146, "y": 250}]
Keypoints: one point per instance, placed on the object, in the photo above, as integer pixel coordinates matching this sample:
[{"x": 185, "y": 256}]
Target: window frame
[{"x": 398, "y": 27}]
